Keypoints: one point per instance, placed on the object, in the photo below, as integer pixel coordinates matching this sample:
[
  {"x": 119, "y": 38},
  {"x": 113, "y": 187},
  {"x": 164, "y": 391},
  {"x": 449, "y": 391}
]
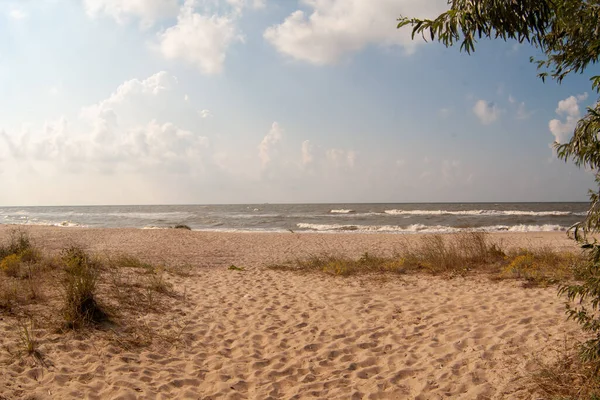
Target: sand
[{"x": 261, "y": 334}]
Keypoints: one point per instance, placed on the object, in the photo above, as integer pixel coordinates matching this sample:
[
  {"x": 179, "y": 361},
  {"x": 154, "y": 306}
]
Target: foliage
[{"x": 587, "y": 298}]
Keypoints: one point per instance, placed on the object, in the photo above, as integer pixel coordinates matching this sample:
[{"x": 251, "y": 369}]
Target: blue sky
[{"x": 239, "y": 101}]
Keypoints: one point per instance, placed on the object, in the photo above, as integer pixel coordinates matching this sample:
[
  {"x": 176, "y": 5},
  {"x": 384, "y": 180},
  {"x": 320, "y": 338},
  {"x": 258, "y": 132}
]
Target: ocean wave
[
  {"x": 62, "y": 224},
  {"x": 342, "y": 211},
  {"x": 491, "y": 213},
  {"x": 420, "y": 228},
  {"x": 152, "y": 215}
]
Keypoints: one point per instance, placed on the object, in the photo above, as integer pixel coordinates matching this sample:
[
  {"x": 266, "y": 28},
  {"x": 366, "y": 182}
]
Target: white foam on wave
[
  {"x": 152, "y": 215},
  {"x": 492, "y": 213},
  {"x": 342, "y": 211},
  {"x": 420, "y": 228},
  {"x": 62, "y": 224}
]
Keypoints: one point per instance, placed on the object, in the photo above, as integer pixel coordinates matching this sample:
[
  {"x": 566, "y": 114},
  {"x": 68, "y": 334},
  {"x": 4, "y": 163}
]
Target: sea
[{"x": 401, "y": 218}]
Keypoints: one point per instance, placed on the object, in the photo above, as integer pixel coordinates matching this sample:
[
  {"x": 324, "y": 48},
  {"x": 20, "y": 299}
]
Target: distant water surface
[{"x": 365, "y": 218}]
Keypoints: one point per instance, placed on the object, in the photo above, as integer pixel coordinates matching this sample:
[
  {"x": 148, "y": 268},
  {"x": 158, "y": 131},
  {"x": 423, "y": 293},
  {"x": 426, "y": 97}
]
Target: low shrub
[
  {"x": 11, "y": 265},
  {"x": 541, "y": 266},
  {"x": 18, "y": 243},
  {"x": 80, "y": 305}
]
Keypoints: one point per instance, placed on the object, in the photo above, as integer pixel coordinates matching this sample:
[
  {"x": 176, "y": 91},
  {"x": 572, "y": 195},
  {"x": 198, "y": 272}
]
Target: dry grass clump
[
  {"x": 435, "y": 254},
  {"x": 129, "y": 261},
  {"x": 80, "y": 287},
  {"x": 542, "y": 266},
  {"x": 157, "y": 282},
  {"x": 567, "y": 377},
  {"x": 17, "y": 253},
  {"x": 453, "y": 255},
  {"x": 79, "y": 290}
]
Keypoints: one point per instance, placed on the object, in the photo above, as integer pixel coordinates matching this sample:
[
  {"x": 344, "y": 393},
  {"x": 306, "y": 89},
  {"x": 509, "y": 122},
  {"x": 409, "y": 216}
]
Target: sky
[{"x": 279, "y": 101}]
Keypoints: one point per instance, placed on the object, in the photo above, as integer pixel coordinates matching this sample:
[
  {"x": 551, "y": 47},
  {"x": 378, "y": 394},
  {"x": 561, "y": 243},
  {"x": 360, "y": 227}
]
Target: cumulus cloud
[
  {"x": 107, "y": 140},
  {"x": 121, "y": 10},
  {"x": 239, "y": 5},
  {"x": 487, "y": 112},
  {"x": 200, "y": 40},
  {"x": 341, "y": 158},
  {"x": 337, "y": 27},
  {"x": 134, "y": 88},
  {"x": 17, "y": 14},
  {"x": 205, "y": 114},
  {"x": 307, "y": 152},
  {"x": 266, "y": 148},
  {"x": 568, "y": 108}
]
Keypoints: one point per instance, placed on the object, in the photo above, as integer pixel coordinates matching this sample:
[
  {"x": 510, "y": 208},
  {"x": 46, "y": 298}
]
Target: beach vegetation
[
  {"x": 567, "y": 33},
  {"x": 28, "y": 338},
  {"x": 81, "y": 306},
  {"x": 566, "y": 376},
  {"x": 19, "y": 243},
  {"x": 157, "y": 282},
  {"x": 11, "y": 265},
  {"x": 74, "y": 289},
  {"x": 129, "y": 261},
  {"x": 455, "y": 255},
  {"x": 542, "y": 266}
]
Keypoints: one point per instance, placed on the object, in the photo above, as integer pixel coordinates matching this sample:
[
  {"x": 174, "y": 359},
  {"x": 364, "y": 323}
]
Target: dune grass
[
  {"x": 79, "y": 291},
  {"x": 456, "y": 255},
  {"x": 567, "y": 376}
]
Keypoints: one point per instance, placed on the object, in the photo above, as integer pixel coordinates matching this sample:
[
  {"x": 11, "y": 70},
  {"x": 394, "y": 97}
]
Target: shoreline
[{"x": 251, "y": 248}]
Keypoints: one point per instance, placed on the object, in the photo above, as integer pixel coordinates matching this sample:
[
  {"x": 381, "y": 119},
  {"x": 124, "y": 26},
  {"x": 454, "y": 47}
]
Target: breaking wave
[
  {"x": 420, "y": 228},
  {"x": 491, "y": 213}
]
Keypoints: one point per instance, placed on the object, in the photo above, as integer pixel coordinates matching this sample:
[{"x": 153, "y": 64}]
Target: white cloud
[
  {"x": 150, "y": 87},
  {"x": 341, "y": 158},
  {"x": 338, "y": 27},
  {"x": 267, "y": 145},
  {"x": 105, "y": 139},
  {"x": 569, "y": 108},
  {"x": 487, "y": 112},
  {"x": 17, "y": 14},
  {"x": 199, "y": 40},
  {"x": 206, "y": 114},
  {"x": 307, "y": 152},
  {"x": 121, "y": 10},
  {"x": 239, "y": 5}
]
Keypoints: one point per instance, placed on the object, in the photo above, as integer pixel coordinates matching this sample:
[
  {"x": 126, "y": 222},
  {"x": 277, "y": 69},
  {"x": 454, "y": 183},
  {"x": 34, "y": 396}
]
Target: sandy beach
[{"x": 265, "y": 334}]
